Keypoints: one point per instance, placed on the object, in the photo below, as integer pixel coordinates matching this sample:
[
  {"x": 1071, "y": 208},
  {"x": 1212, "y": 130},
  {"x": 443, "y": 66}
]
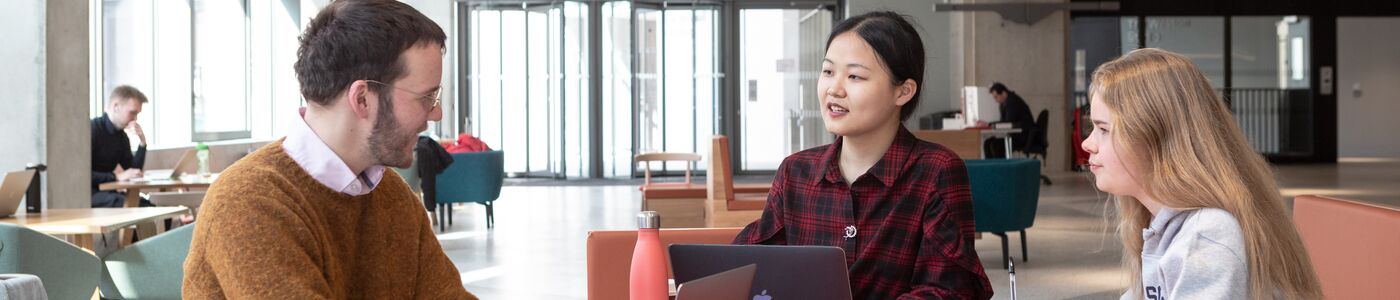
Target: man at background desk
[
  {"x": 112, "y": 159},
  {"x": 1013, "y": 110}
]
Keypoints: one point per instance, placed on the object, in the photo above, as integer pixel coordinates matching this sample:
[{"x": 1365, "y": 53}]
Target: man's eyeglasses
[{"x": 435, "y": 97}]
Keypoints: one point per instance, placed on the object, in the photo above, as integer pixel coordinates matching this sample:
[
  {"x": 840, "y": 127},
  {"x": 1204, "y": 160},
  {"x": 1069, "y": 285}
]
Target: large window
[
  {"x": 221, "y": 71},
  {"x": 1199, "y": 38},
  {"x": 617, "y": 88},
  {"x": 677, "y": 77},
  {"x": 659, "y": 86},
  {"x": 1264, "y": 78},
  {"x": 1269, "y": 82},
  {"x": 213, "y": 69},
  {"x": 527, "y": 89}
]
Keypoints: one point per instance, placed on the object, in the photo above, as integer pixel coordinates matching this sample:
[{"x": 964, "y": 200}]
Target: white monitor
[{"x": 978, "y": 105}]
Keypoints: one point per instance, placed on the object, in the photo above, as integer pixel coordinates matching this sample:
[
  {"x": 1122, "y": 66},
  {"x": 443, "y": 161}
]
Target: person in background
[
  {"x": 1013, "y": 111},
  {"x": 900, "y": 207},
  {"x": 315, "y": 215},
  {"x": 112, "y": 159},
  {"x": 1199, "y": 211}
]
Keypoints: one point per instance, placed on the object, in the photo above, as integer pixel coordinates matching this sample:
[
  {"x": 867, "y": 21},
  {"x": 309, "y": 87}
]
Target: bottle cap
[
  {"x": 648, "y": 220},
  {"x": 201, "y": 146}
]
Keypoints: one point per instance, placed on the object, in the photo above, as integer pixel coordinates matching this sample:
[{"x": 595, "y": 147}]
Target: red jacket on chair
[{"x": 466, "y": 143}]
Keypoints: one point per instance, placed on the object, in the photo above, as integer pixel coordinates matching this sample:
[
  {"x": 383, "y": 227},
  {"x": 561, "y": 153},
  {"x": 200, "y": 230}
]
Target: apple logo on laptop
[{"x": 763, "y": 296}]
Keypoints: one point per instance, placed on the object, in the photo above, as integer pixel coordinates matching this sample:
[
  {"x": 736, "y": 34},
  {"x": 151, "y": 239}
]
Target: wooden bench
[
  {"x": 680, "y": 204},
  {"x": 726, "y": 205},
  {"x": 688, "y": 205}
]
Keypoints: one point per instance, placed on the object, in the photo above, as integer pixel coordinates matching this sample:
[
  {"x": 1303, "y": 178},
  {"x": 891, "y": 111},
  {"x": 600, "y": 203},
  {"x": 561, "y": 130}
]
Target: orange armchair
[
  {"x": 1352, "y": 246},
  {"x": 610, "y": 255}
]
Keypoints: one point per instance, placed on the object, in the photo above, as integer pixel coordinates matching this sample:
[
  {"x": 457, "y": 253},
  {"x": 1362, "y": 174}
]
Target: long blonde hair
[{"x": 1191, "y": 154}]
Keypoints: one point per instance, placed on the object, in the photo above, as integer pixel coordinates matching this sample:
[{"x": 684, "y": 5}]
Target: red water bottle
[{"x": 648, "y": 278}]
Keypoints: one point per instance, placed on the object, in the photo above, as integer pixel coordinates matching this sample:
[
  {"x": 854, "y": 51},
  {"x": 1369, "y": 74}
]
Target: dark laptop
[{"x": 784, "y": 272}]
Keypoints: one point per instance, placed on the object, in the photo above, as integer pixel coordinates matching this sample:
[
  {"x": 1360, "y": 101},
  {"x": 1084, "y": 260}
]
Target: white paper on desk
[
  {"x": 160, "y": 174},
  {"x": 953, "y": 124}
]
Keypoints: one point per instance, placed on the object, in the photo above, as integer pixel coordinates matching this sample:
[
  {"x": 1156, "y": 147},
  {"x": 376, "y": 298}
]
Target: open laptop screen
[{"x": 784, "y": 272}]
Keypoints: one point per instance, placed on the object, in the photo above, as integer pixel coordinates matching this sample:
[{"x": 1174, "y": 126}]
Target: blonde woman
[{"x": 1199, "y": 212}]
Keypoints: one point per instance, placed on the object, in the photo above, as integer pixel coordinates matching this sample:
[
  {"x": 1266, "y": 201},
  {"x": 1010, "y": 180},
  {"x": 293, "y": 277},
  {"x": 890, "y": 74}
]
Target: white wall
[
  {"x": 22, "y": 118},
  {"x": 1367, "y": 55}
]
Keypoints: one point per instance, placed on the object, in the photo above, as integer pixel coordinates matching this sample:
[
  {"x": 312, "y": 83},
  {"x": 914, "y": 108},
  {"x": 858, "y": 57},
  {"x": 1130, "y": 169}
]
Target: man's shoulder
[{"x": 98, "y": 128}]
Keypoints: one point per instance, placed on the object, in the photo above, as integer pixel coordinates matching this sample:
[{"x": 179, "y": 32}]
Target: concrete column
[{"x": 67, "y": 86}]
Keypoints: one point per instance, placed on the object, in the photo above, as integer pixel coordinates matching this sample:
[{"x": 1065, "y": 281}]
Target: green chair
[
  {"x": 472, "y": 177},
  {"x": 150, "y": 269},
  {"x": 410, "y": 175},
  {"x": 67, "y": 272},
  {"x": 1005, "y": 193}
]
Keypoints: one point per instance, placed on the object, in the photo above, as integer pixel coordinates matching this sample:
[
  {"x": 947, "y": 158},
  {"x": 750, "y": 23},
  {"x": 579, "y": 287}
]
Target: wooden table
[
  {"x": 1003, "y": 133},
  {"x": 133, "y": 188},
  {"x": 967, "y": 143},
  {"x": 85, "y": 223}
]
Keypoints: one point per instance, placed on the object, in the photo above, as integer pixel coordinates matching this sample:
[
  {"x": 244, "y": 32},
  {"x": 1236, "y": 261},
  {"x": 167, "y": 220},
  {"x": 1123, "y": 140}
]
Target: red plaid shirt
[{"x": 906, "y": 224}]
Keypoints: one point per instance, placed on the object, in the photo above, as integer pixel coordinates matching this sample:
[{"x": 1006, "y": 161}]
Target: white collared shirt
[{"x": 314, "y": 156}]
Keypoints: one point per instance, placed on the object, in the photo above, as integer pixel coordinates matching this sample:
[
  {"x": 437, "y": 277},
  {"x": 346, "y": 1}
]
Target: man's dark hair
[
  {"x": 359, "y": 40},
  {"x": 126, "y": 92},
  {"x": 896, "y": 43},
  {"x": 997, "y": 87}
]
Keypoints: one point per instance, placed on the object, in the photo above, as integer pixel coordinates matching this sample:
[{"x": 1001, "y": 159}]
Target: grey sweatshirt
[{"x": 1193, "y": 254}]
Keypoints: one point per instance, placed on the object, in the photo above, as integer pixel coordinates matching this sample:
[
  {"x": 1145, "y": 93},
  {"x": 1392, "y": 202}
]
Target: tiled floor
[{"x": 537, "y": 250}]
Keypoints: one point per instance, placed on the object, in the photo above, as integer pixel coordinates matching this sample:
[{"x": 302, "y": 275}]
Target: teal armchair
[
  {"x": 472, "y": 177},
  {"x": 1005, "y": 194},
  {"x": 150, "y": 269},
  {"x": 67, "y": 272},
  {"x": 410, "y": 176}
]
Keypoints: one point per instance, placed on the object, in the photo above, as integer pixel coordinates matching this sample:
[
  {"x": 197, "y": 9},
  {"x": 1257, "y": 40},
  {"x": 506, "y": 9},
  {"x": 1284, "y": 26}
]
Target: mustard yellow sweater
[{"x": 268, "y": 230}]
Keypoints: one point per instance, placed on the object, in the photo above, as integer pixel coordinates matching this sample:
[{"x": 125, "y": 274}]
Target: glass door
[
  {"x": 617, "y": 117},
  {"x": 779, "y": 110},
  {"x": 526, "y": 85},
  {"x": 675, "y": 75}
]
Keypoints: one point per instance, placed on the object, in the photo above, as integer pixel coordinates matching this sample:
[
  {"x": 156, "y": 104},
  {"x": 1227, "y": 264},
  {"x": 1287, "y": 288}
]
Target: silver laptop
[
  {"x": 784, "y": 272},
  {"x": 187, "y": 164},
  {"x": 12, "y": 191},
  {"x": 728, "y": 285}
]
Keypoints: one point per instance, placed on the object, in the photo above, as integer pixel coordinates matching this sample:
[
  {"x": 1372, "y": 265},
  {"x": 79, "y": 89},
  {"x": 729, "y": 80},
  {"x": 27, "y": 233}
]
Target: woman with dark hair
[{"x": 900, "y": 207}]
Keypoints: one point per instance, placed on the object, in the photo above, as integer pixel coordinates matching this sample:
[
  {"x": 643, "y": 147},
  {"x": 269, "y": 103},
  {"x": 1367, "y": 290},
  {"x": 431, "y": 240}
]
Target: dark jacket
[
  {"x": 1016, "y": 112},
  {"x": 432, "y": 160},
  {"x": 110, "y": 148}
]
